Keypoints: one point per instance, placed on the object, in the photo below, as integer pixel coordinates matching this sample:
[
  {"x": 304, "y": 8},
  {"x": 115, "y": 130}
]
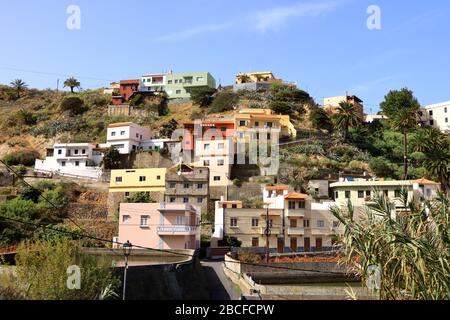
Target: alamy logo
[
  {"x": 74, "y": 20},
  {"x": 374, "y": 19},
  {"x": 73, "y": 278}
]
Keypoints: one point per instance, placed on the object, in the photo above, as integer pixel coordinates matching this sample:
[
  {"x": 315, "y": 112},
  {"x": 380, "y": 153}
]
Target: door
[
  {"x": 318, "y": 244},
  {"x": 307, "y": 245},
  {"x": 280, "y": 245},
  {"x": 294, "y": 244}
]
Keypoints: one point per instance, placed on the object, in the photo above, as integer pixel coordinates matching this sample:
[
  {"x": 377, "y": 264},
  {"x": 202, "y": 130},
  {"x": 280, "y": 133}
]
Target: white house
[
  {"x": 126, "y": 137},
  {"x": 153, "y": 83},
  {"x": 72, "y": 159},
  {"x": 438, "y": 116}
]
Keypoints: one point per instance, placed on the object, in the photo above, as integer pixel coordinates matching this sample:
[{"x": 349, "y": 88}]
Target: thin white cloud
[
  {"x": 364, "y": 87},
  {"x": 273, "y": 18},
  {"x": 192, "y": 32}
]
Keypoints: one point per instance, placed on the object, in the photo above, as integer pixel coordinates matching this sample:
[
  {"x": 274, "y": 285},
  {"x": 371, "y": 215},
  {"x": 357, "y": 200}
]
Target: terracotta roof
[
  {"x": 209, "y": 122},
  {"x": 119, "y": 124},
  {"x": 296, "y": 196},
  {"x": 135, "y": 81},
  {"x": 272, "y": 188},
  {"x": 426, "y": 182}
]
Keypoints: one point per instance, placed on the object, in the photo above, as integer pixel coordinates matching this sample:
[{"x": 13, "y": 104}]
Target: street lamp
[{"x": 127, "y": 246}]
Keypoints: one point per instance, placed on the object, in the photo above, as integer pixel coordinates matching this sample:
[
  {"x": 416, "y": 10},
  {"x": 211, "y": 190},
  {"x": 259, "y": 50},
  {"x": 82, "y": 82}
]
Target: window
[
  {"x": 83, "y": 151},
  {"x": 186, "y": 185},
  {"x": 142, "y": 178},
  {"x": 360, "y": 194},
  {"x": 176, "y": 80},
  {"x": 127, "y": 194},
  {"x": 63, "y": 163},
  {"x": 75, "y": 151},
  {"x": 172, "y": 199},
  {"x": 206, "y": 163},
  {"x": 77, "y": 163},
  {"x": 185, "y": 200},
  {"x": 234, "y": 206},
  {"x": 216, "y": 178},
  {"x": 446, "y": 120},
  {"x": 291, "y": 205},
  {"x": 178, "y": 92},
  {"x": 270, "y": 223},
  {"x": 199, "y": 200},
  {"x": 445, "y": 110},
  {"x": 347, "y": 194},
  {"x": 141, "y": 136},
  {"x": 137, "y": 135},
  {"x": 269, "y": 136},
  {"x": 113, "y": 134},
  {"x": 242, "y": 123},
  {"x": 144, "y": 221},
  {"x": 122, "y": 133},
  {"x": 269, "y": 124},
  {"x": 125, "y": 218},
  {"x": 320, "y": 224},
  {"x": 305, "y": 223},
  {"x": 336, "y": 194},
  {"x": 256, "y": 124},
  {"x": 301, "y": 205},
  {"x": 221, "y": 146},
  {"x": 255, "y": 242},
  {"x": 431, "y": 112},
  {"x": 293, "y": 223},
  {"x": 158, "y": 177},
  {"x": 181, "y": 220},
  {"x": 431, "y": 122},
  {"x": 386, "y": 193},
  {"x": 255, "y": 222},
  {"x": 223, "y": 129},
  {"x": 233, "y": 222},
  {"x": 172, "y": 185},
  {"x": 118, "y": 179},
  {"x": 367, "y": 193},
  {"x": 169, "y": 81},
  {"x": 200, "y": 186},
  {"x": 397, "y": 193},
  {"x": 220, "y": 162},
  {"x": 206, "y": 146},
  {"x": 200, "y": 79}
]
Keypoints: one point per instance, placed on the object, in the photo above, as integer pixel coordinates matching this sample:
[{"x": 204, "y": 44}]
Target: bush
[
  {"x": 140, "y": 197},
  {"x": 26, "y": 117},
  {"x": 381, "y": 167},
  {"x": 17, "y": 143},
  {"x": 24, "y": 156},
  {"x": 21, "y": 170},
  {"x": 224, "y": 101},
  {"x": 72, "y": 104},
  {"x": 111, "y": 159},
  {"x": 202, "y": 96}
]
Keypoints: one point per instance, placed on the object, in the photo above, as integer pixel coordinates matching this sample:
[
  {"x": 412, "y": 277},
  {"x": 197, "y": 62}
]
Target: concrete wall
[{"x": 129, "y": 111}]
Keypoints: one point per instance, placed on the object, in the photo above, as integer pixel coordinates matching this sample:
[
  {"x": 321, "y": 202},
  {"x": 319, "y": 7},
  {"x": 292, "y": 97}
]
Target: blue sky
[{"x": 323, "y": 45}]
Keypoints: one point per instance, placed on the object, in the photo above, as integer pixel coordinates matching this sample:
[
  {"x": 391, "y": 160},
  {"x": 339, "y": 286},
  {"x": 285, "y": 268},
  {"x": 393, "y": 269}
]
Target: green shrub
[
  {"x": 74, "y": 105},
  {"x": 381, "y": 167},
  {"x": 224, "y": 101},
  {"x": 24, "y": 156},
  {"x": 140, "y": 197},
  {"x": 26, "y": 117}
]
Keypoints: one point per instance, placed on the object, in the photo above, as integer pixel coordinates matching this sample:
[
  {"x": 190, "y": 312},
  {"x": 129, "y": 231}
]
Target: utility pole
[
  {"x": 267, "y": 233},
  {"x": 57, "y": 85}
]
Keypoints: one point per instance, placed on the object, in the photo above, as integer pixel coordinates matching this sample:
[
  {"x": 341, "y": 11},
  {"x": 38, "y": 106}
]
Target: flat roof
[
  {"x": 382, "y": 183},
  {"x": 437, "y": 105}
]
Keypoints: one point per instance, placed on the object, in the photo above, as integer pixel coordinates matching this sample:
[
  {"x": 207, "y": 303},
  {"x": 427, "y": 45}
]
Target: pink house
[{"x": 160, "y": 225}]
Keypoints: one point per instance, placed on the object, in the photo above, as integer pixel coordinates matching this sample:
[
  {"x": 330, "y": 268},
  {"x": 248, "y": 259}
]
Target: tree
[
  {"x": 402, "y": 110},
  {"x": 282, "y": 107},
  {"x": 202, "y": 96},
  {"x": 74, "y": 105},
  {"x": 26, "y": 117},
  {"x": 111, "y": 159},
  {"x": 411, "y": 252},
  {"x": 168, "y": 128},
  {"x": 321, "y": 120},
  {"x": 42, "y": 272},
  {"x": 19, "y": 86},
  {"x": 224, "y": 101},
  {"x": 346, "y": 117},
  {"x": 18, "y": 208},
  {"x": 140, "y": 197},
  {"x": 72, "y": 83},
  {"x": 30, "y": 193},
  {"x": 381, "y": 167}
]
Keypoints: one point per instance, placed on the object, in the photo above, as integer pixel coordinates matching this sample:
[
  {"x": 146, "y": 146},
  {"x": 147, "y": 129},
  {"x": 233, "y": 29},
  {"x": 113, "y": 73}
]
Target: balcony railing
[
  {"x": 296, "y": 231},
  {"x": 273, "y": 231},
  {"x": 322, "y": 231},
  {"x": 296, "y": 213},
  {"x": 176, "y": 230}
]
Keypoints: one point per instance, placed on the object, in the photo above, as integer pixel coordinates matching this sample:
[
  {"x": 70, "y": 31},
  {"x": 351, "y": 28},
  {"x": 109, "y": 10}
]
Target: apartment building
[
  {"x": 160, "y": 225},
  {"x": 217, "y": 155},
  {"x": 437, "y": 116},
  {"x": 297, "y": 223},
  {"x": 331, "y": 104},
  {"x": 255, "y": 80},
  {"x": 361, "y": 193},
  {"x": 72, "y": 159},
  {"x": 179, "y": 85},
  {"x": 258, "y": 123},
  {"x": 187, "y": 184},
  {"x": 153, "y": 83},
  {"x": 209, "y": 128}
]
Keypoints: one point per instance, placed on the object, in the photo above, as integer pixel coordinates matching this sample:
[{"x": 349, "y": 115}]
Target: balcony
[
  {"x": 299, "y": 213},
  {"x": 187, "y": 192},
  {"x": 322, "y": 231},
  {"x": 176, "y": 230},
  {"x": 296, "y": 231},
  {"x": 273, "y": 231}
]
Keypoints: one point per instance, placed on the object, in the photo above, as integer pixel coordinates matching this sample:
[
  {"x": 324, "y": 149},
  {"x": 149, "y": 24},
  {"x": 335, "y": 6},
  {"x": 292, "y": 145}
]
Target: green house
[{"x": 179, "y": 85}]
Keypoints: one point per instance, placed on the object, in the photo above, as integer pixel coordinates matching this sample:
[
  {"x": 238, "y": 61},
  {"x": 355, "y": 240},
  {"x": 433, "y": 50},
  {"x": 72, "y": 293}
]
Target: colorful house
[
  {"x": 179, "y": 85},
  {"x": 138, "y": 180},
  {"x": 127, "y": 88}
]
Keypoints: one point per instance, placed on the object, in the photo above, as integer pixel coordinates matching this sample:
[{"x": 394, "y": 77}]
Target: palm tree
[
  {"x": 72, "y": 83},
  {"x": 424, "y": 139},
  {"x": 437, "y": 163},
  {"x": 405, "y": 120},
  {"x": 346, "y": 117},
  {"x": 19, "y": 85}
]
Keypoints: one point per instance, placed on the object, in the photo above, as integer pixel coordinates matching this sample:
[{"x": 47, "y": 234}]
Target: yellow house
[
  {"x": 251, "y": 77},
  {"x": 247, "y": 119},
  {"x": 138, "y": 180}
]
